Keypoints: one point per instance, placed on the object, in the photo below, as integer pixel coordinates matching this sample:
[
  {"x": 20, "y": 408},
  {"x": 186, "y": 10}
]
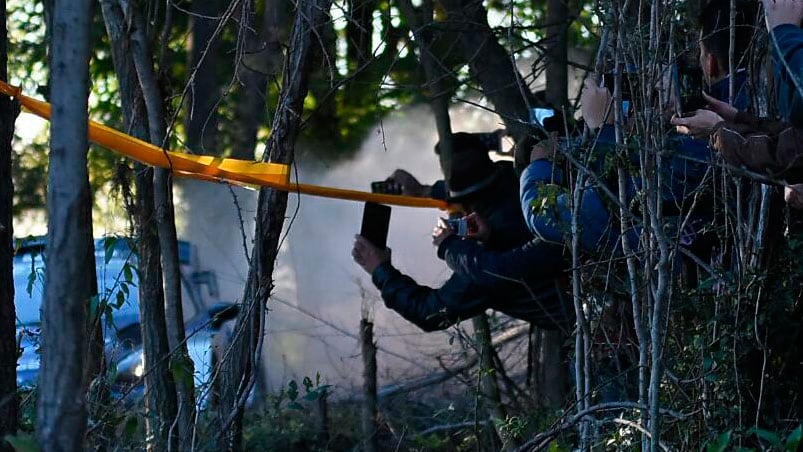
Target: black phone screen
[{"x": 375, "y": 222}]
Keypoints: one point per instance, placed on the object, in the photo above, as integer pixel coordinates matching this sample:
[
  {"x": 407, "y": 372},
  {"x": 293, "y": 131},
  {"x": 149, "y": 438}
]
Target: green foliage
[
  {"x": 721, "y": 443},
  {"x": 23, "y": 443},
  {"x": 513, "y": 426},
  {"x": 313, "y": 391}
]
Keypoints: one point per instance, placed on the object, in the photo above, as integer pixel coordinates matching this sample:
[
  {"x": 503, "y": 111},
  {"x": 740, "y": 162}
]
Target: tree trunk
[
  {"x": 238, "y": 370},
  {"x": 160, "y": 399},
  {"x": 557, "y": 71},
  {"x": 61, "y": 413},
  {"x": 369, "y": 404},
  {"x": 261, "y": 62},
  {"x": 421, "y": 24},
  {"x": 204, "y": 52},
  {"x": 180, "y": 363},
  {"x": 489, "y": 388},
  {"x": 9, "y": 402},
  {"x": 492, "y": 66},
  {"x": 359, "y": 32},
  {"x": 551, "y": 369}
]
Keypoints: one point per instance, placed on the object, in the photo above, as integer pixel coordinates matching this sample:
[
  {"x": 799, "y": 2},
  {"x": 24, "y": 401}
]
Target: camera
[
  {"x": 386, "y": 187},
  {"x": 458, "y": 225}
]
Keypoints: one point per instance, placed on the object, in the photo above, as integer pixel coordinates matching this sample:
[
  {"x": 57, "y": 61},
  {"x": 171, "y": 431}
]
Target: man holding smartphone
[{"x": 491, "y": 191}]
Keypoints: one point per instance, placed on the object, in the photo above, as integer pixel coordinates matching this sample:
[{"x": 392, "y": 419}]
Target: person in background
[
  {"x": 684, "y": 169},
  {"x": 488, "y": 190},
  {"x": 772, "y": 148}
]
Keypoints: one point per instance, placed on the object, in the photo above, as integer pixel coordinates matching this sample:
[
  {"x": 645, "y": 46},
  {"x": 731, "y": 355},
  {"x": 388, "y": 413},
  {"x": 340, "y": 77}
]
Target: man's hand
[
  {"x": 441, "y": 232},
  {"x": 699, "y": 125},
  {"x": 367, "y": 255},
  {"x": 779, "y": 12},
  {"x": 477, "y": 227},
  {"x": 409, "y": 184},
  {"x": 725, "y": 110},
  {"x": 793, "y": 194},
  {"x": 595, "y": 103}
]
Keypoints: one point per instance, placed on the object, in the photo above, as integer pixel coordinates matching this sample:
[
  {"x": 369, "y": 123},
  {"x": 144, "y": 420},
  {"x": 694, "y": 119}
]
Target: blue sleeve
[
  {"x": 685, "y": 170},
  {"x": 429, "y": 309},
  {"x": 488, "y": 269},
  {"x": 552, "y": 222},
  {"x": 788, "y": 56}
]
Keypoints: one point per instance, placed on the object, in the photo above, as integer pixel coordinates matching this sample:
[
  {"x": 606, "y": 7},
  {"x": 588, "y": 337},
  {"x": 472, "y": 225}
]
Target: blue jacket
[
  {"x": 788, "y": 59},
  {"x": 535, "y": 297},
  {"x": 682, "y": 173}
]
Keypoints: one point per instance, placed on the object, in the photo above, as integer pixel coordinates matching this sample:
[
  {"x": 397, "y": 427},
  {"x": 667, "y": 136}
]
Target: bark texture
[
  {"x": 202, "y": 119},
  {"x": 369, "y": 404},
  {"x": 9, "y": 402},
  {"x": 239, "y": 368},
  {"x": 261, "y": 62},
  {"x": 160, "y": 400},
  {"x": 61, "y": 411},
  {"x": 179, "y": 360},
  {"x": 557, "y": 71}
]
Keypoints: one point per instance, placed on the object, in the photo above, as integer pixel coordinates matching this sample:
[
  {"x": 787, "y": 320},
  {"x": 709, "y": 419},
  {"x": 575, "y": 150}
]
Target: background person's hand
[
  {"x": 699, "y": 125},
  {"x": 367, "y": 255},
  {"x": 545, "y": 149},
  {"x": 725, "y": 110},
  {"x": 793, "y": 195},
  {"x": 408, "y": 183},
  {"x": 779, "y": 12},
  {"x": 595, "y": 102}
]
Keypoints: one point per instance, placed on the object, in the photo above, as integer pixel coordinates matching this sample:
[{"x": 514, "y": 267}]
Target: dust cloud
[{"x": 320, "y": 292}]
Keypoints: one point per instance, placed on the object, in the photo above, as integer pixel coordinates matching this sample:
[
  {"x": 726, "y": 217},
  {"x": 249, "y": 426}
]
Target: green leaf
[
  {"x": 307, "y": 382},
  {"x": 22, "y": 443},
  {"x": 295, "y": 406},
  {"x": 108, "y": 245},
  {"x": 31, "y": 281},
  {"x": 721, "y": 443},
  {"x": 766, "y": 435},
  {"x": 130, "y": 428},
  {"x": 292, "y": 390},
  {"x": 120, "y": 299},
  {"x": 127, "y": 273},
  {"x": 182, "y": 369},
  {"x": 793, "y": 440}
]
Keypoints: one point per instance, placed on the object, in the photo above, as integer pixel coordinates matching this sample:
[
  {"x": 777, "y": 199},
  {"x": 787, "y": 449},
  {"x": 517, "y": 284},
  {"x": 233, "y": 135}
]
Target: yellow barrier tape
[{"x": 209, "y": 168}]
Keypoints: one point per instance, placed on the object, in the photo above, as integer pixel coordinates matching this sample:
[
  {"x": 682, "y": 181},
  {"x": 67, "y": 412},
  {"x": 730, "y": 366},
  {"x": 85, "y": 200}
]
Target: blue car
[{"x": 117, "y": 301}]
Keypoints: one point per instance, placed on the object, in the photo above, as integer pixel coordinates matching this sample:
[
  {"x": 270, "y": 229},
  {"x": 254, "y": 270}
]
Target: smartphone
[
  {"x": 375, "y": 222},
  {"x": 462, "y": 226},
  {"x": 458, "y": 225},
  {"x": 385, "y": 187},
  {"x": 690, "y": 85},
  {"x": 538, "y": 115}
]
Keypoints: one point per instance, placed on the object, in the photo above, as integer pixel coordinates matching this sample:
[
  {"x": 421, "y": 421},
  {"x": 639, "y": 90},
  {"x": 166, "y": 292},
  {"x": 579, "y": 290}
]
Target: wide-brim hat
[{"x": 471, "y": 169}]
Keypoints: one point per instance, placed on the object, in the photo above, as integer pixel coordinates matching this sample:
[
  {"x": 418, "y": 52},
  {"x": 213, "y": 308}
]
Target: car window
[{"x": 28, "y": 274}]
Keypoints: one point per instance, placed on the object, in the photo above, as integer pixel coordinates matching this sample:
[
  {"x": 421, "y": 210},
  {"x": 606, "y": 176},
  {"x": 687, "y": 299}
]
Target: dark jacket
[
  {"x": 772, "y": 148},
  {"x": 472, "y": 290}
]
